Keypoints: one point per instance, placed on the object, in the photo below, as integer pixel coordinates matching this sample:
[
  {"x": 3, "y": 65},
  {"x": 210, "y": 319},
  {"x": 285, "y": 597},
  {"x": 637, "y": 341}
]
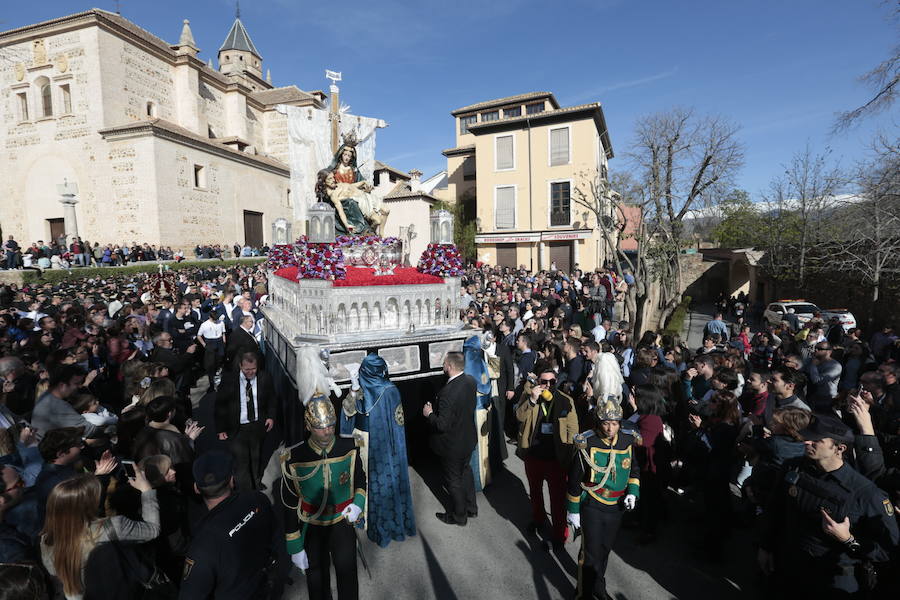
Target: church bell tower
[{"x": 238, "y": 55}]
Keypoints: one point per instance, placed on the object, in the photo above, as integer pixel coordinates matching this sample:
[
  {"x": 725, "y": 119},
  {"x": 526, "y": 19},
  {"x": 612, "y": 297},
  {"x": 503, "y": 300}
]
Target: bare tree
[
  {"x": 597, "y": 196},
  {"x": 870, "y": 245},
  {"x": 606, "y": 200},
  {"x": 684, "y": 161},
  {"x": 883, "y": 80},
  {"x": 801, "y": 199}
]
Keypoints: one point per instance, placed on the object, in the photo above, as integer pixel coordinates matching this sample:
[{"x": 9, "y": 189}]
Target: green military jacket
[
  {"x": 603, "y": 471},
  {"x": 317, "y": 484}
]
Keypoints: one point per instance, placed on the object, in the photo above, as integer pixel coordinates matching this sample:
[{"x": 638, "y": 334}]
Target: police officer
[
  {"x": 603, "y": 474},
  {"x": 323, "y": 491},
  {"x": 825, "y": 522},
  {"x": 234, "y": 548}
]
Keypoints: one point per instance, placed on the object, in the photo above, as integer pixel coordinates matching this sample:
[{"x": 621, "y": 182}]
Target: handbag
[{"x": 147, "y": 580}]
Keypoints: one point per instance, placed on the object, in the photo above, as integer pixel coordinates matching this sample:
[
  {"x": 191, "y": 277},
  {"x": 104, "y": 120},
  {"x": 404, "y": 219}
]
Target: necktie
[{"x": 251, "y": 409}]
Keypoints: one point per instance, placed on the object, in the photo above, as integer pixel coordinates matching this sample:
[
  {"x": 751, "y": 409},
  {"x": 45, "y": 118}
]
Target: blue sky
[{"x": 780, "y": 69}]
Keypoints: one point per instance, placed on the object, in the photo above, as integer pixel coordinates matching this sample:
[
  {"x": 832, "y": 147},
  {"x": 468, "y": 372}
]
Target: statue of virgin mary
[{"x": 342, "y": 185}]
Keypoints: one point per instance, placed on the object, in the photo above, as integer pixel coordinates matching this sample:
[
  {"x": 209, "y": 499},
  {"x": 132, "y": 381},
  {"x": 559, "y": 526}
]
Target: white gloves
[
  {"x": 300, "y": 560},
  {"x": 353, "y": 370},
  {"x": 630, "y": 501},
  {"x": 574, "y": 519},
  {"x": 351, "y": 513}
]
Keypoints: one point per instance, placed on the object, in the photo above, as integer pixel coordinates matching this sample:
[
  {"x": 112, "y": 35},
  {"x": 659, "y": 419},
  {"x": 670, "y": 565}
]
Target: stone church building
[{"x": 163, "y": 148}]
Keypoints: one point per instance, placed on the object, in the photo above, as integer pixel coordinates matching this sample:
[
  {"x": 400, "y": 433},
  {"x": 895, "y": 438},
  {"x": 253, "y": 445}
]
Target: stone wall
[
  {"x": 39, "y": 153},
  {"x": 137, "y": 189},
  {"x": 693, "y": 269},
  {"x": 213, "y": 213}
]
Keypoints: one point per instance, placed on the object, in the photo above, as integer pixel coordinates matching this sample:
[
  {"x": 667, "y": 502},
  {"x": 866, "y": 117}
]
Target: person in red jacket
[{"x": 651, "y": 405}]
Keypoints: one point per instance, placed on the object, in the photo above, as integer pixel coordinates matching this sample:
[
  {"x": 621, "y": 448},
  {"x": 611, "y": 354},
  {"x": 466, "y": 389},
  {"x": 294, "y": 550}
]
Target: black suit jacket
[
  {"x": 240, "y": 341},
  {"x": 228, "y": 401},
  {"x": 453, "y": 419},
  {"x": 177, "y": 363},
  {"x": 507, "y": 381}
]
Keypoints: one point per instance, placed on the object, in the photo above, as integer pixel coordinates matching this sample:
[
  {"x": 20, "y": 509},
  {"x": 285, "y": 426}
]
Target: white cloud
[{"x": 620, "y": 85}]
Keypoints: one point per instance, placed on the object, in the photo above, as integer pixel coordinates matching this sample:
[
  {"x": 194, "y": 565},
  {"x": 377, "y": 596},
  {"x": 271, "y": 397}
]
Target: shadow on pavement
[
  {"x": 686, "y": 570},
  {"x": 509, "y": 498},
  {"x": 440, "y": 585}
]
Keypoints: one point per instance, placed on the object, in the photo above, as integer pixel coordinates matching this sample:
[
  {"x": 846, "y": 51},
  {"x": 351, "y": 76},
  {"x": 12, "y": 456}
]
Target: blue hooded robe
[
  {"x": 380, "y": 413},
  {"x": 476, "y": 366}
]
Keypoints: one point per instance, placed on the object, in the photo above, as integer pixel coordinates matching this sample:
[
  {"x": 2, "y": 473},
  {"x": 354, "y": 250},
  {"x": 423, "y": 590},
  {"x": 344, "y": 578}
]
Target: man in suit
[
  {"x": 506, "y": 384},
  {"x": 243, "y": 308},
  {"x": 245, "y": 403},
  {"x": 166, "y": 314},
  {"x": 240, "y": 341},
  {"x": 197, "y": 314},
  {"x": 454, "y": 438},
  {"x": 225, "y": 309}
]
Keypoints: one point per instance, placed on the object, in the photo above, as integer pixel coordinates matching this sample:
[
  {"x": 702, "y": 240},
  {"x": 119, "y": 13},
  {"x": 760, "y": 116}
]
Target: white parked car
[
  {"x": 846, "y": 317},
  {"x": 774, "y": 313}
]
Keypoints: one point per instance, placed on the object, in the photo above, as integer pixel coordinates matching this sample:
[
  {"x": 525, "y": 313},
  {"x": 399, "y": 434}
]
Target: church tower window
[
  {"x": 43, "y": 84},
  {"x": 23, "y": 106},
  {"x": 66, "y": 93}
]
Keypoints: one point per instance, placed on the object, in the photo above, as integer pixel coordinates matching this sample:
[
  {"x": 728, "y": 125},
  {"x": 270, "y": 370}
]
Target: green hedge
[
  {"x": 57, "y": 275},
  {"x": 675, "y": 326}
]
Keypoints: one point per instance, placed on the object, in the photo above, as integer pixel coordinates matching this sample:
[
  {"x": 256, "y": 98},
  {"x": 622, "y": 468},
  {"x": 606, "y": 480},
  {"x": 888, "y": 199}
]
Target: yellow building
[{"x": 520, "y": 161}]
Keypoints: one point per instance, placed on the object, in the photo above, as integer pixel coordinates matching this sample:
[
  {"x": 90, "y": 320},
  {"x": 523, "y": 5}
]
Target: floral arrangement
[
  {"x": 442, "y": 260},
  {"x": 319, "y": 261},
  {"x": 322, "y": 261},
  {"x": 280, "y": 256},
  {"x": 346, "y": 241}
]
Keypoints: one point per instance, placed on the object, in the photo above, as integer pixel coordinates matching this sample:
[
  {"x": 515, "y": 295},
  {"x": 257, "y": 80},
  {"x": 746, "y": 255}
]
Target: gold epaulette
[{"x": 581, "y": 439}]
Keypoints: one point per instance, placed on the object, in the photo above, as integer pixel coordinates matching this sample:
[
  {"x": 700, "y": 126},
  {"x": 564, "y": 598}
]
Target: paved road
[
  {"x": 696, "y": 320},
  {"x": 494, "y": 558}
]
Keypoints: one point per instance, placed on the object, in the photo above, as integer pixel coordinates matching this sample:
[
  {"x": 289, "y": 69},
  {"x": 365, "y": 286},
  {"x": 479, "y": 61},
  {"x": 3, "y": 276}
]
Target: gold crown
[
  {"x": 350, "y": 139},
  {"x": 320, "y": 413}
]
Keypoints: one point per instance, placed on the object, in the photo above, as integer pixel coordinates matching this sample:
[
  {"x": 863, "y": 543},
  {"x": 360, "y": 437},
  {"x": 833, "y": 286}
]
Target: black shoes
[
  {"x": 472, "y": 514},
  {"x": 450, "y": 519}
]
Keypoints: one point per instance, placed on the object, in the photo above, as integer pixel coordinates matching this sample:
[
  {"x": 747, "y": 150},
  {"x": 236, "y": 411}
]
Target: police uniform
[
  {"x": 235, "y": 543},
  {"x": 317, "y": 485},
  {"x": 807, "y": 559},
  {"x": 603, "y": 473}
]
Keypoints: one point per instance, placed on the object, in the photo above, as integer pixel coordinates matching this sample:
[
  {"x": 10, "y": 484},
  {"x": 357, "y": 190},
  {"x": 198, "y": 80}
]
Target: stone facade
[{"x": 163, "y": 148}]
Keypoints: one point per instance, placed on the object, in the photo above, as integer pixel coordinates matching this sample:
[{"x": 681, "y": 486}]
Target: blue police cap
[{"x": 212, "y": 468}]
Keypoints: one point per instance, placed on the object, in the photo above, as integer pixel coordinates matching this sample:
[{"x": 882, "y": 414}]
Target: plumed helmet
[
  {"x": 608, "y": 410},
  {"x": 320, "y": 413}
]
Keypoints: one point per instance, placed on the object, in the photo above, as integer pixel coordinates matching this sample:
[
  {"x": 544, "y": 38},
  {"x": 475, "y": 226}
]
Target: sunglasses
[{"x": 547, "y": 381}]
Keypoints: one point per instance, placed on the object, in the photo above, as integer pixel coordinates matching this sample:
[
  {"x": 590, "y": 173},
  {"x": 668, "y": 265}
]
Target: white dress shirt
[{"x": 243, "y": 390}]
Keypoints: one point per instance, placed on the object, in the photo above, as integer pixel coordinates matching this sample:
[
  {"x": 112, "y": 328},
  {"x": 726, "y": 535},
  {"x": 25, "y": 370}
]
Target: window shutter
[
  {"x": 505, "y": 152},
  {"x": 559, "y": 146},
  {"x": 505, "y": 216}
]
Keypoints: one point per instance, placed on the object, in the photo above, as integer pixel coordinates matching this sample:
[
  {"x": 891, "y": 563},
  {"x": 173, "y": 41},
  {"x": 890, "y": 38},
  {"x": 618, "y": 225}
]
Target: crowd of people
[
  {"x": 61, "y": 253},
  {"x": 790, "y": 431},
  {"x": 97, "y": 440}
]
